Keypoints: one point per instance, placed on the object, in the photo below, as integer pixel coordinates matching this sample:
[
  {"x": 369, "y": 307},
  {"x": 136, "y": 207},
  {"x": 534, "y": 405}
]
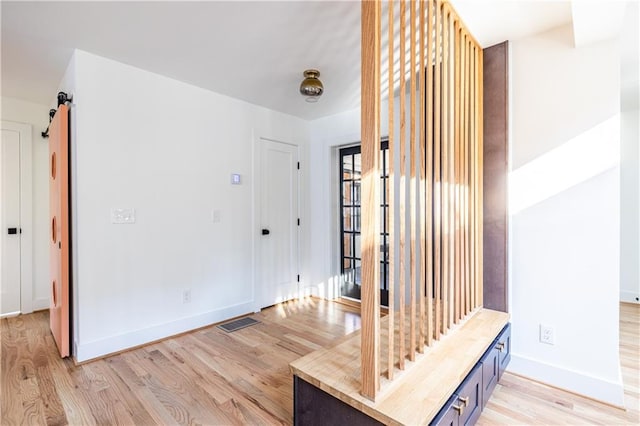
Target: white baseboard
[
  {"x": 629, "y": 297},
  {"x": 40, "y": 304},
  {"x": 101, "y": 347},
  {"x": 10, "y": 314},
  {"x": 610, "y": 392}
]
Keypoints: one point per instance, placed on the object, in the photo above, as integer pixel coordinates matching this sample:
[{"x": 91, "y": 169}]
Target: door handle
[
  {"x": 265, "y": 232},
  {"x": 12, "y": 231}
]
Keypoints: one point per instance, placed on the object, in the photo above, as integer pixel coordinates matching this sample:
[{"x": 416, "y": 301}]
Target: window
[{"x": 350, "y": 249}]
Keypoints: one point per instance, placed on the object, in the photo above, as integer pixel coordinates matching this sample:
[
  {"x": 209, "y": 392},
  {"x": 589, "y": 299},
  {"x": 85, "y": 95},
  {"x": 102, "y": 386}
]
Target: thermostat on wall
[{"x": 235, "y": 179}]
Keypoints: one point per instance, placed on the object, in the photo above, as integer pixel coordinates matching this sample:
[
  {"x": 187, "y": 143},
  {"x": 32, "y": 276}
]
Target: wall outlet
[
  {"x": 186, "y": 296},
  {"x": 547, "y": 335}
]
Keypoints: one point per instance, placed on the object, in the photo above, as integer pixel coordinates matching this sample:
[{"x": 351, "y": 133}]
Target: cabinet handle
[
  {"x": 500, "y": 346},
  {"x": 464, "y": 400},
  {"x": 459, "y": 409}
]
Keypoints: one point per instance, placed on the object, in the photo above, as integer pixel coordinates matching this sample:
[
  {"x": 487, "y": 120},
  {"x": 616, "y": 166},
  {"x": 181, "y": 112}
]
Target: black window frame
[{"x": 351, "y": 289}]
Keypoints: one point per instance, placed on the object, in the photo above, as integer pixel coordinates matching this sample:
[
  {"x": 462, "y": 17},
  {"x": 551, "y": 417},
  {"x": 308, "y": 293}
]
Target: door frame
[
  {"x": 256, "y": 209},
  {"x": 26, "y": 212}
]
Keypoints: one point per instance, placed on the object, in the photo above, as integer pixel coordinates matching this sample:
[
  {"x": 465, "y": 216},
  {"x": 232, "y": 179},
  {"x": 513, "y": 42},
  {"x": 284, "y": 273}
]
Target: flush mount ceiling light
[{"x": 311, "y": 87}]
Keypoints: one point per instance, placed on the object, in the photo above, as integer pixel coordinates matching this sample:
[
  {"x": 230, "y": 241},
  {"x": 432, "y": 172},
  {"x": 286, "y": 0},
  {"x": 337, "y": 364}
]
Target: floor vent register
[{"x": 238, "y": 324}]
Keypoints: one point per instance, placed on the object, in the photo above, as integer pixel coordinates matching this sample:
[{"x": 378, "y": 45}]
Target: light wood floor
[
  {"x": 211, "y": 377},
  {"x": 518, "y": 401},
  {"x": 204, "y": 377}
]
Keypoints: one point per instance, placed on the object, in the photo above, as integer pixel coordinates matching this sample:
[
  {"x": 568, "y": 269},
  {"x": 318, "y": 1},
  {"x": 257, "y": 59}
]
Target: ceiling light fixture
[{"x": 311, "y": 87}]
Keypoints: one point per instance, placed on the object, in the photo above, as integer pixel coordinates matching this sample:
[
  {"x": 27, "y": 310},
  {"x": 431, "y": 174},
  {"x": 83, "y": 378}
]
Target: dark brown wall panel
[{"x": 496, "y": 131}]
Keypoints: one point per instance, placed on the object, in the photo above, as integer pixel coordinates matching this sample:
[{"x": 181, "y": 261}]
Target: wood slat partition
[{"x": 435, "y": 220}]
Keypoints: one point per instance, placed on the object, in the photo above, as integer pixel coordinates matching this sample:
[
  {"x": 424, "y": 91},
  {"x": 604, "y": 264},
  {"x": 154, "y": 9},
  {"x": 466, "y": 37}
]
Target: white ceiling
[
  {"x": 494, "y": 21},
  {"x": 255, "y": 51}
]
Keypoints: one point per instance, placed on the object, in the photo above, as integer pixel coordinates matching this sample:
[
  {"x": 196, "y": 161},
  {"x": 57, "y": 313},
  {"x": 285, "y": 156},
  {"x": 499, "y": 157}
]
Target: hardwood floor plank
[
  {"x": 213, "y": 377},
  {"x": 31, "y": 402},
  {"x": 139, "y": 390},
  {"x": 53, "y": 409},
  {"x": 117, "y": 386},
  {"x": 11, "y": 405}
]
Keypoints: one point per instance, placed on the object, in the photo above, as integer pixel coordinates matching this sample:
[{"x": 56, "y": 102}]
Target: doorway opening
[{"x": 350, "y": 239}]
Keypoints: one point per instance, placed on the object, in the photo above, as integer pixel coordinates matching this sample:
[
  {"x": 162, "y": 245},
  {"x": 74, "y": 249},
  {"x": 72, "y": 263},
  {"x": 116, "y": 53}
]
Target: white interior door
[
  {"x": 10, "y": 222},
  {"x": 278, "y": 279}
]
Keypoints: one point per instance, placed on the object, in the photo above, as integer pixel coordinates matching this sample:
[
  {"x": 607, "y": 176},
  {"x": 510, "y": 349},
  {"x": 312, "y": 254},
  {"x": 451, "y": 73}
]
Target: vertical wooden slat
[
  {"x": 477, "y": 206},
  {"x": 472, "y": 169},
  {"x": 370, "y": 202},
  {"x": 412, "y": 182},
  {"x": 472, "y": 191},
  {"x": 457, "y": 173},
  {"x": 391, "y": 201},
  {"x": 480, "y": 131},
  {"x": 451, "y": 188},
  {"x": 444, "y": 187},
  {"x": 437, "y": 211},
  {"x": 465, "y": 186},
  {"x": 422, "y": 188},
  {"x": 472, "y": 146},
  {"x": 428, "y": 143},
  {"x": 403, "y": 186},
  {"x": 469, "y": 177}
]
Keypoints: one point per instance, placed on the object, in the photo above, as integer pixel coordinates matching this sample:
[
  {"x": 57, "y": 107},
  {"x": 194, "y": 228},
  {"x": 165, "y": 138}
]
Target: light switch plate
[
  {"x": 235, "y": 179},
  {"x": 123, "y": 216},
  {"x": 216, "y": 215}
]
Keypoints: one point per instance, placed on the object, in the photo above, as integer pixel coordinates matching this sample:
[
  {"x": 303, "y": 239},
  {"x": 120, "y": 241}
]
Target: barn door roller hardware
[{"x": 63, "y": 98}]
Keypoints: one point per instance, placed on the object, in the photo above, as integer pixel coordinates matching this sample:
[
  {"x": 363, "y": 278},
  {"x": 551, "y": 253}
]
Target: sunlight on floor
[{"x": 291, "y": 307}]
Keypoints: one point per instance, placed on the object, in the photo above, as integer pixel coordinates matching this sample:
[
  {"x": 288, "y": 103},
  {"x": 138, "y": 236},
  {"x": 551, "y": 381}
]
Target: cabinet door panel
[
  {"x": 504, "y": 346},
  {"x": 448, "y": 416},
  {"x": 470, "y": 396},
  {"x": 490, "y": 368}
]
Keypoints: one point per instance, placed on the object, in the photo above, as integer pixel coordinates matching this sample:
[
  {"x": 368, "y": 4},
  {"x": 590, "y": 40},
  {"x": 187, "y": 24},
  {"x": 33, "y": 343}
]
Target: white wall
[
  {"x": 166, "y": 149},
  {"x": 326, "y": 134},
  {"x": 630, "y": 156},
  {"x": 630, "y": 206},
  {"x": 565, "y": 242},
  {"x": 38, "y": 117}
]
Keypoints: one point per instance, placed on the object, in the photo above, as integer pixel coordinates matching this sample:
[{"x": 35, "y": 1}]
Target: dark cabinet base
[
  {"x": 312, "y": 406},
  {"x": 315, "y": 407},
  {"x": 468, "y": 401}
]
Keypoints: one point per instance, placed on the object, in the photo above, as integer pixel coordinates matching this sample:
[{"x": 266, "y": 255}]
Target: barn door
[{"x": 59, "y": 228}]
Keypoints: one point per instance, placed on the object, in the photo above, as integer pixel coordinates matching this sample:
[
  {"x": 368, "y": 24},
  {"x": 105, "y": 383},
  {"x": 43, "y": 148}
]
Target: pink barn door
[{"x": 59, "y": 228}]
